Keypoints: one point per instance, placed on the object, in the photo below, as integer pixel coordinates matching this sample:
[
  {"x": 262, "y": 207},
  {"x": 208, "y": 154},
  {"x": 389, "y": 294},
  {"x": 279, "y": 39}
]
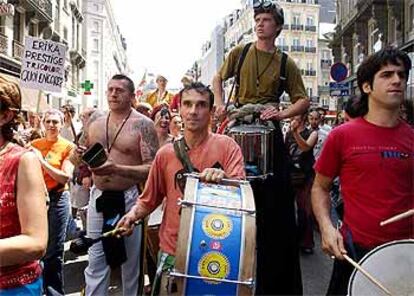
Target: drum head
[{"x": 392, "y": 264}]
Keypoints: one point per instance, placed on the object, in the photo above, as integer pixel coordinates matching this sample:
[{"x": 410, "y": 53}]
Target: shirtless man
[{"x": 130, "y": 142}]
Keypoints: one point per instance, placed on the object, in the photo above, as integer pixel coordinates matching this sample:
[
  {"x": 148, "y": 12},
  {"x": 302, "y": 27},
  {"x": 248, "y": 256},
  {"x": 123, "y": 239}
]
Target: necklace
[
  {"x": 109, "y": 146},
  {"x": 265, "y": 68}
]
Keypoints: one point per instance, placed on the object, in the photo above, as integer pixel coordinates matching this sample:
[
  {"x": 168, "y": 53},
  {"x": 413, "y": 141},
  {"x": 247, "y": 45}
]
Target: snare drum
[
  {"x": 392, "y": 264},
  {"x": 216, "y": 242},
  {"x": 257, "y": 144}
]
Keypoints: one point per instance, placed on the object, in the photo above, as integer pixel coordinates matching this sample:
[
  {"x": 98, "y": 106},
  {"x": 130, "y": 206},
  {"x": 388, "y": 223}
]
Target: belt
[{"x": 55, "y": 195}]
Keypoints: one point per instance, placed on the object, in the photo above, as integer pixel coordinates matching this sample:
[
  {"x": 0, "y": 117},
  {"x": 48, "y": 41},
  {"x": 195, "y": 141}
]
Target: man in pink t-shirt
[
  {"x": 373, "y": 156},
  {"x": 215, "y": 156}
]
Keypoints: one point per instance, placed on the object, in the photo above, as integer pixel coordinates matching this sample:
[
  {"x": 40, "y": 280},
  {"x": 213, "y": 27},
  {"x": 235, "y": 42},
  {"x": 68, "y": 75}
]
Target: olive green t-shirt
[{"x": 268, "y": 72}]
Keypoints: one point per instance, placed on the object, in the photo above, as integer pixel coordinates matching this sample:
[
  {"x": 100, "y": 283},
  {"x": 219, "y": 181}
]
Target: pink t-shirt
[
  {"x": 376, "y": 170},
  {"x": 218, "y": 151}
]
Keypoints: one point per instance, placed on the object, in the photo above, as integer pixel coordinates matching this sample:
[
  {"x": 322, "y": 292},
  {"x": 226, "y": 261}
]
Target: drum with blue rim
[{"x": 216, "y": 243}]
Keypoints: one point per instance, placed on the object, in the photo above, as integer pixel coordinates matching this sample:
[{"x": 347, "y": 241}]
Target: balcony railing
[
  {"x": 296, "y": 27},
  {"x": 3, "y": 43},
  {"x": 323, "y": 89},
  {"x": 18, "y": 50},
  {"x": 309, "y": 72},
  {"x": 286, "y": 27},
  {"x": 326, "y": 64},
  {"x": 43, "y": 8},
  {"x": 310, "y": 28},
  {"x": 77, "y": 58},
  {"x": 296, "y": 48},
  {"x": 76, "y": 11},
  {"x": 283, "y": 47},
  {"x": 310, "y": 49}
]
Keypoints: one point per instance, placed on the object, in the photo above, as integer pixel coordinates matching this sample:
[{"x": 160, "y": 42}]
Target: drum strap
[
  {"x": 180, "y": 148},
  {"x": 236, "y": 84}
]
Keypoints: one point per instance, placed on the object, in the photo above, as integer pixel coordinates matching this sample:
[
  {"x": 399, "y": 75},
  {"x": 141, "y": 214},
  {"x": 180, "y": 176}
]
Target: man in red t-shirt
[
  {"x": 374, "y": 158},
  {"x": 215, "y": 156}
]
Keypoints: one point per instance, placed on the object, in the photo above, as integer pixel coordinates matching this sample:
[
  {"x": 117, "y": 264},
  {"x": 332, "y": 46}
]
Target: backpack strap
[
  {"x": 236, "y": 83},
  {"x": 282, "y": 76},
  {"x": 180, "y": 149}
]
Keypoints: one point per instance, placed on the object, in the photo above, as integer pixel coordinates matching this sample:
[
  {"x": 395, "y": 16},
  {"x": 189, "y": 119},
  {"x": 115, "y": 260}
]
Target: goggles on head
[{"x": 269, "y": 7}]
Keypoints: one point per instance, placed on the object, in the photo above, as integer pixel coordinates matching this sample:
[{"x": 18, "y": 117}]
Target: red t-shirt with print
[{"x": 376, "y": 169}]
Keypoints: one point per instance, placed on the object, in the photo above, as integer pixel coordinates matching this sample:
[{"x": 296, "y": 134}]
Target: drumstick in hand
[
  {"x": 369, "y": 276},
  {"x": 398, "y": 217}
]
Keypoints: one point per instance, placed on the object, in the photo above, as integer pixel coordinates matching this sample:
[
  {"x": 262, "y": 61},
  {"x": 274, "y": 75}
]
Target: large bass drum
[
  {"x": 256, "y": 142},
  {"x": 216, "y": 242},
  {"x": 392, "y": 264}
]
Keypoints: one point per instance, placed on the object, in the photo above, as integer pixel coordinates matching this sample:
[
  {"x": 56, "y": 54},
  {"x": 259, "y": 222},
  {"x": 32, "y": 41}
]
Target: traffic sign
[
  {"x": 339, "y": 89},
  {"x": 339, "y": 72},
  {"x": 336, "y": 85}
]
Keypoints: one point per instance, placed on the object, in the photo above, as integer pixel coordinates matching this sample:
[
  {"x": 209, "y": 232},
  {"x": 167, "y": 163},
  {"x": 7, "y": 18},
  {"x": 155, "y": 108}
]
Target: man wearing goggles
[{"x": 257, "y": 82}]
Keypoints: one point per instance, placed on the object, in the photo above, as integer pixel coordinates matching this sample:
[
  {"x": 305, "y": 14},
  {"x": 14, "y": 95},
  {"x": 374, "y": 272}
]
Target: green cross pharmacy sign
[{"x": 87, "y": 86}]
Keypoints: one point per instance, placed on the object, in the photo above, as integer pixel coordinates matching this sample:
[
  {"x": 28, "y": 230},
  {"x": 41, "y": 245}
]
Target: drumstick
[
  {"x": 364, "y": 272},
  {"x": 398, "y": 217}
]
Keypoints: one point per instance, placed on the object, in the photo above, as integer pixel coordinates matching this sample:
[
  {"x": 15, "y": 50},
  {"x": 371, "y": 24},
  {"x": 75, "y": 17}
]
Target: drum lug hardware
[
  {"x": 203, "y": 244},
  {"x": 249, "y": 282},
  {"x": 185, "y": 203},
  {"x": 228, "y": 181}
]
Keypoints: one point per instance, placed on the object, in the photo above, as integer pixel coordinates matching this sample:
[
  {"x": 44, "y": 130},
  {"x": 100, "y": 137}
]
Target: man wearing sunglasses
[{"x": 278, "y": 269}]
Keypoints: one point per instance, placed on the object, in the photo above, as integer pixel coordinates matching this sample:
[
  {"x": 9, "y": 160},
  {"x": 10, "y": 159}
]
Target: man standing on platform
[{"x": 264, "y": 75}]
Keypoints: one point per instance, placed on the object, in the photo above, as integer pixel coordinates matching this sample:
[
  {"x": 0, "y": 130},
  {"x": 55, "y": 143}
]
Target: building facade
[
  {"x": 212, "y": 56},
  {"x": 105, "y": 50},
  {"x": 58, "y": 20},
  {"x": 366, "y": 26},
  {"x": 299, "y": 39},
  {"x": 325, "y": 61}
]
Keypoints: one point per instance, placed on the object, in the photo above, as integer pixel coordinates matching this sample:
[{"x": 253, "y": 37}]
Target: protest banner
[{"x": 43, "y": 65}]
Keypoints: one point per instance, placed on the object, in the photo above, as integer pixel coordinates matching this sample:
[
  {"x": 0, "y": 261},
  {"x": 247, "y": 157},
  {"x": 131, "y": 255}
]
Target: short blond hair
[{"x": 53, "y": 111}]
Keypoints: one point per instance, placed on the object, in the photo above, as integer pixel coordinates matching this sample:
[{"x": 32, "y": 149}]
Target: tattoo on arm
[{"x": 149, "y": 141}]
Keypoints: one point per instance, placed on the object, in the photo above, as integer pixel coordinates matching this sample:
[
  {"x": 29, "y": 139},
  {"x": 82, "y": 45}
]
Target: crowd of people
[{"x": 340, "y": 179}]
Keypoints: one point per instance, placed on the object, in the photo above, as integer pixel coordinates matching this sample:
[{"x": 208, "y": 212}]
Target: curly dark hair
[{"x": 367, "y": 70}]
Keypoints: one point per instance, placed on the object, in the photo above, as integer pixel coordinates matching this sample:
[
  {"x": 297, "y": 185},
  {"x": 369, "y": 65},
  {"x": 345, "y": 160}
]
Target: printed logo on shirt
[{"x": 395, "y": 154}]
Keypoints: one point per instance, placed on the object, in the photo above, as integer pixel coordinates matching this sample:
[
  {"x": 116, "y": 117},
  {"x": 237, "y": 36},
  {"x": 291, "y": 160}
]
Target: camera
[{"x": 95, "y": 156}]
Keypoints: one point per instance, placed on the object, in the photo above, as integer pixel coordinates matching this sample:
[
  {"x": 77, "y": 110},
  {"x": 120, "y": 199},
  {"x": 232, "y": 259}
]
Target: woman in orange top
[
  {"x": 23, "y": 224},
  {"x": 53, "y": 152}
]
